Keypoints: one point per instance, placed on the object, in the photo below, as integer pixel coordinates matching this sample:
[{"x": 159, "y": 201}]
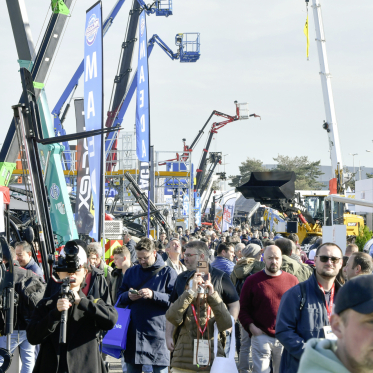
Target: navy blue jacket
[
  {"x": 146, "y": 332},
  {"x": 223, "y": 264},
  {"x": 294, "y": 327},
  {"x": 33, "y": 266}
]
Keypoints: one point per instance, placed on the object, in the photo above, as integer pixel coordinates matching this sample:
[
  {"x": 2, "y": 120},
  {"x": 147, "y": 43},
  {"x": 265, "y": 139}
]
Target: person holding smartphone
[{"x": 194, "y": 319}]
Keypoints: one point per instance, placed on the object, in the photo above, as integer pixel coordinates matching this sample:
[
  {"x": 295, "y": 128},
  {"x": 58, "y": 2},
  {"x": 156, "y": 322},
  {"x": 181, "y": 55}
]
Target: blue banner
[
  {"x": 142, "y": 98},
  {"x": 93, "y": 106}
]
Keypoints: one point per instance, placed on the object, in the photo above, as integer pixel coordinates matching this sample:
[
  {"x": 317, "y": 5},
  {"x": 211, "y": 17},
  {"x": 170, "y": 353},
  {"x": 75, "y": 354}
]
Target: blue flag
[
  {"x": 142, "y": 98},
  {"x": 93, "y": 107}
]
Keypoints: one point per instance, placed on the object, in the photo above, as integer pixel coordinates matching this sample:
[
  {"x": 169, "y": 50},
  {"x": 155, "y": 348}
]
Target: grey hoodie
[{"x": 319, "y": 357}]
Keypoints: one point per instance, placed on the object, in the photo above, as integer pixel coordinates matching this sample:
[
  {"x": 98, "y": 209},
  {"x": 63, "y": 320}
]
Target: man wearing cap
[
  {"x": 87, "y": 316},
  {"x": 305, "y": 309},
  {"x": 352, "y": 326},
  {"x": 249, "y": 264}
]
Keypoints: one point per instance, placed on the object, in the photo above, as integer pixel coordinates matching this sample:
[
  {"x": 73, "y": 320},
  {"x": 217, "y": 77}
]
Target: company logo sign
[
  {"x": 54, "y": 191},
  {"x": 92, "y": 28},
  {"x": 118, "y": 326}
]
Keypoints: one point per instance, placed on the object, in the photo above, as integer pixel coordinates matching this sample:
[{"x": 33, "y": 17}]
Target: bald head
[{"x": 272, "y": 260}]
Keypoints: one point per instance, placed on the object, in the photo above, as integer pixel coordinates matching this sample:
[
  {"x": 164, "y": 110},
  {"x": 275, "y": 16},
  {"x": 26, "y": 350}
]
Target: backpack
[
  {"x": 239, "y": 284},
  {"x": 30, "y": 291}
]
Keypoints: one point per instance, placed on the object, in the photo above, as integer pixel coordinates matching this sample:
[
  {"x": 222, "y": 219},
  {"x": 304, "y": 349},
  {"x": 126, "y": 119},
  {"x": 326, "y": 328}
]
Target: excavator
[{"x": 303, "y": 216}]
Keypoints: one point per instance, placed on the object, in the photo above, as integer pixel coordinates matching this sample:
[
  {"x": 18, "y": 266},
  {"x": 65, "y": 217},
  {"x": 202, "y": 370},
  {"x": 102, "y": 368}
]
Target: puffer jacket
[
  {"x": 244, "y": 268},
  {"x": 301, "y": 271},
  {"x": 180, "y": 314}
]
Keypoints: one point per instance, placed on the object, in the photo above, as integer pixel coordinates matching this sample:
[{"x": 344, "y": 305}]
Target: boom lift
[
  {"x": 330, "y": 124},
  {"x": 61, "y": 212},
  {"x": 242, "y": 112}
]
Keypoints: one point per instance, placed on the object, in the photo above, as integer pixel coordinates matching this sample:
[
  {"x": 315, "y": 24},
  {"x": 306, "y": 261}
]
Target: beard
[
  {"x": 324, "y": 272},
  {"x": 273, "y": 268}
]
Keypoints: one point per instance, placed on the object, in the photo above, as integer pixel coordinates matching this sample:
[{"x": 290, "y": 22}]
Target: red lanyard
[
  {"x": 329, "y": 308},
  {"x": 207, "y": 320}
]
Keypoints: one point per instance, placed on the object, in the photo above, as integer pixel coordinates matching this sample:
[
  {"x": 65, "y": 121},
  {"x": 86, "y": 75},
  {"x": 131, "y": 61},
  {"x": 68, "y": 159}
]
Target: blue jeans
[
  {"x": 227, "y": 343},
  {"x": 137, "y": 368},
  {"x": 26, "y": 350}
]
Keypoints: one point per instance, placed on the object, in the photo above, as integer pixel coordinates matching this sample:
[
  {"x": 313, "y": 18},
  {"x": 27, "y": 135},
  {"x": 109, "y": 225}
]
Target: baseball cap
[
  {"x": 356, "y": 294},
  {"x": 82, "y": 256}
]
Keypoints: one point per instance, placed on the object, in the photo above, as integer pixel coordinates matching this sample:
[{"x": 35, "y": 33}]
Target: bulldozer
[{"x": 303, "y": 215}]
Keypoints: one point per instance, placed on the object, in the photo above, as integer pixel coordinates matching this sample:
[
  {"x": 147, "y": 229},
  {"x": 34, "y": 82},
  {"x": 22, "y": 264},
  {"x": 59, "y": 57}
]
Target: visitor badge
[
  {"x": 329, "y": 333},
  {"x": 203, "y": 352}
]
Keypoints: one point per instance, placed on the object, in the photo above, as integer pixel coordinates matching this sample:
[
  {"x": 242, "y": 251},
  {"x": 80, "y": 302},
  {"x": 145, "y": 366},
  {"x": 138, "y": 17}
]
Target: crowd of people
[{"x": 281, "y": 309}]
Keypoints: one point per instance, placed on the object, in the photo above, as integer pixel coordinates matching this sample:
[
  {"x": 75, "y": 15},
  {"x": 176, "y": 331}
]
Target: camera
[{"x": 70, "y": 262}]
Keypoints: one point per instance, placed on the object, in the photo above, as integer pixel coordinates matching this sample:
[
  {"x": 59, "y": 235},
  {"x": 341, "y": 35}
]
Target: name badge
[
  {"x": 203, "y": 352},
  {"x": 329, "y": 333}
]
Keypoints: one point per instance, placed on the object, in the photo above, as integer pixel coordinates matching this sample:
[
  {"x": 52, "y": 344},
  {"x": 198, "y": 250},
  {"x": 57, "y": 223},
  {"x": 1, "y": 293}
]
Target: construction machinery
[{"x": 276, "y": 190}]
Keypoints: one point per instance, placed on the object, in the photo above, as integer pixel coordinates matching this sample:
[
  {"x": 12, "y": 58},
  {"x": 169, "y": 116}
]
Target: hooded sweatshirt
[{"x": 319, "y": 357}]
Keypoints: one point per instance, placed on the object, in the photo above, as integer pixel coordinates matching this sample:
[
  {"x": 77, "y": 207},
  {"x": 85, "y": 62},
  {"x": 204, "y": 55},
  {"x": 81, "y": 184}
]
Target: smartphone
[
  {"x": 133, "y": 291},
  {"x": 203, "y": 269}
]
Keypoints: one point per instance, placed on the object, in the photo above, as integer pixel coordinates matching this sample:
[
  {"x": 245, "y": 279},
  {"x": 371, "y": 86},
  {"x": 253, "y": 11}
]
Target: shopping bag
[
  {"x": 117, "y": 337},
  {"x": 224, "y": 364},
  {"x": 114, "y": 352}
]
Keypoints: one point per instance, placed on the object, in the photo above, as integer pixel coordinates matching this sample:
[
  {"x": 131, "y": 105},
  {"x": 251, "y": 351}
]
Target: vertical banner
[
  {"x": 93, "y": 107},
  {"x": 144, "y": 176},
  {"x": 83, "y": 214},
  {"x": 228, "y": 213},
  {"x": 197, "y": 209},
  {"x": 142, "y": 98}
]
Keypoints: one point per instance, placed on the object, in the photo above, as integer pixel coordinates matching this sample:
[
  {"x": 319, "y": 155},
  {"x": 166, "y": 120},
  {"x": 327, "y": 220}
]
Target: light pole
[
  {"x": 225, "y": 181},
  {"x": 353, "y": 162}
]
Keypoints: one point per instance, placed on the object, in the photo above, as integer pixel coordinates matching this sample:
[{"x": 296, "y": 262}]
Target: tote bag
[
  {"x": 117, "y": 337},
  {"x": 224, "y": 364}
]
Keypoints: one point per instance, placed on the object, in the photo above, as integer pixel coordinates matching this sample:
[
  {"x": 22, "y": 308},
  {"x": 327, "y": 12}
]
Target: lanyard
[
  {"x": 329, "y": 307},
  {"x": 207, "y": 320}
]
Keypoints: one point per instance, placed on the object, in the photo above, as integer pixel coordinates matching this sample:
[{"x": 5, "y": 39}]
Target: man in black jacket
[
  {"x": 23, "y": 279},
  {"x": 87, "y": 316}
]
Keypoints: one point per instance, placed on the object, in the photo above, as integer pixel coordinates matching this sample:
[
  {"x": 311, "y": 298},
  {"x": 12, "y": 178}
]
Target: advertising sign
[
  {"x": 93, "y": 106},
  {"x": 142, "y": 98}
]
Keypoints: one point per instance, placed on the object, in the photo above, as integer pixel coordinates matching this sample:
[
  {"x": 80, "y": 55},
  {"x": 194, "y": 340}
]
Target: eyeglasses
[
  {"x": 145, "y": 259},
  {"x": 189, "y": 255},
  {"x": 325, "y": 259}
]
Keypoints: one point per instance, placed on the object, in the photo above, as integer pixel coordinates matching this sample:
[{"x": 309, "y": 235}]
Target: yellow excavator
[{"x": 303, "y": 215}]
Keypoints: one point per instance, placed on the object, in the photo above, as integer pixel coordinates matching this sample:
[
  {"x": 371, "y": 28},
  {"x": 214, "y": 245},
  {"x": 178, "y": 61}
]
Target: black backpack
[{"x": 30, "y": 289}]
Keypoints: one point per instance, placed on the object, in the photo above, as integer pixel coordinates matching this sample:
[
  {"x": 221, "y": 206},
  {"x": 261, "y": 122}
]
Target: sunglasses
[{"x": 325, "y": 259}]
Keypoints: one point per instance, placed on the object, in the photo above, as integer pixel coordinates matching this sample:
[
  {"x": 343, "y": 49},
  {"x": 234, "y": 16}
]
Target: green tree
[
  {"x": 365, "y": 234},
  {"x": 369, "y": 176},
  {"x": 305, "y": 170},
  {"x": 246, "y": 168}
]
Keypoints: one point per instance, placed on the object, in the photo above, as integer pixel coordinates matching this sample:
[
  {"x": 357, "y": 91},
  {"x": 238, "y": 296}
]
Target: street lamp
[
  {"x": 225, "y": 181},
  {"x": 353, "y": 161}
]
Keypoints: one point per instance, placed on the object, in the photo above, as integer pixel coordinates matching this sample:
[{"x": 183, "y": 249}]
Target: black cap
[{"x": 356, "y": 294}]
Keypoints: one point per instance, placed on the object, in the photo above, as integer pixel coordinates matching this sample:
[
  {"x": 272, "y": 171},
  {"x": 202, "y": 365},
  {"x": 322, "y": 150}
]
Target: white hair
[{"x": 239, "y": 247}]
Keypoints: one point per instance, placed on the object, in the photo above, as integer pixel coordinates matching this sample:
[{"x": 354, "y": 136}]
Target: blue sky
[{"x": 251, "y": 52}]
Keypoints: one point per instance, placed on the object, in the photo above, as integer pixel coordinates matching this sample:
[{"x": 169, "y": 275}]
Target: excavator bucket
[{"x": 269, "y": 186}]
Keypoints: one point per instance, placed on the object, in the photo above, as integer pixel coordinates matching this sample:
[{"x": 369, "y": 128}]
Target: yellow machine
[{"x": 303, "y": 215}]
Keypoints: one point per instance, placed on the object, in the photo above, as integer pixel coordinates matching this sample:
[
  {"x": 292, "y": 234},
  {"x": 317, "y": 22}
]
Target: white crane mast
[{"x": 331, "y": 121}]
